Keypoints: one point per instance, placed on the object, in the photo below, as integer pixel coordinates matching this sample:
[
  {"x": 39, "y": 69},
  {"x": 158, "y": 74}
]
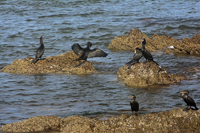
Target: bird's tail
[
  {"x": 196, "y": 108},
  {"x": 128, "y": 63},
  {"x": 81, "y": 63},
  {"x": 156, "y": 63},
  {"x": 35, "y": 60}
]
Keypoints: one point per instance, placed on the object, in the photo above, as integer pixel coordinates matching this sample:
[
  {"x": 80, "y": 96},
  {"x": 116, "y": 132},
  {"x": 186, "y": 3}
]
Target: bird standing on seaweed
[
  {"x": 87, "y": 52},
  {"x": 190, "y": 102},
  {"x": 40, "y": 51}
]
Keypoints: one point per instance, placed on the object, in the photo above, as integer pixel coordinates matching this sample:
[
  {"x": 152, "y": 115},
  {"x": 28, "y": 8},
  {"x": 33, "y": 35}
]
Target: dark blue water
[{"x": 63, "y": 23}]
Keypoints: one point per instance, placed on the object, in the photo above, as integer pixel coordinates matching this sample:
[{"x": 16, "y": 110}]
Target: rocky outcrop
[
  {"x": 63, "y": 63},
  {"x": 156, "y": 42},
  {"x": 34, "y": 124},
  {"x": 176, "y": 120},
  {"x": 146, "y": 73}
]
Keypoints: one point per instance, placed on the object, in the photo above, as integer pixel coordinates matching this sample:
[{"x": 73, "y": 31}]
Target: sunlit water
[{"x": 63, "y": 23}]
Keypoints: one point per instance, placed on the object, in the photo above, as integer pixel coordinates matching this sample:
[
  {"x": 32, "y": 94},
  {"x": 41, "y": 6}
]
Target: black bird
[
  {"x": 146, "y": 53},
  {"x": 87, "y": 52},
  {"x": 134, "y": 104},
  {"x": 40, "y": 51},
  {"x": 190, "y": 102},
  {"x": 137, "y": 56}
]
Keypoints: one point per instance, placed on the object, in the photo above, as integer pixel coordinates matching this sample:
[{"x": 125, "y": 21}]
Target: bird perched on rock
[
  {"x": 190, "y": 102},
  {"x": 40, "y": 51},
  {"x": 134, "y": 105},
  {"x": 87, "y": 52},
  {"x": 145, "y": 52},
  {"x": 137, "y": 56}
]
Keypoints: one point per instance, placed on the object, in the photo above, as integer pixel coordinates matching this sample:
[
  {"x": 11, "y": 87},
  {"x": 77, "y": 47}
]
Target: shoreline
[{"x": 175, "y": 120}]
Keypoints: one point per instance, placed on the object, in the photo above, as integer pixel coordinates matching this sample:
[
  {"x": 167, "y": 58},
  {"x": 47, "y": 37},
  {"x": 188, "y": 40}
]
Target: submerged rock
[
  {"x": 156, "y": 42},
  {"x": 63, "y": 63},
  {"x": 146, "y": 73},
  {"x": 176, "y": 120}
]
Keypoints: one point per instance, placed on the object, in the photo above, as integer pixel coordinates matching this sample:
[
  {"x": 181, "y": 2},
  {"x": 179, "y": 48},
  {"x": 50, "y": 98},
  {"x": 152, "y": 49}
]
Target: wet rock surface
[
  {"x": 176, "y": 120},
  {"x": 146, "y": 73},
  {"x": 156, "y": 42},
  {"x": 63, "y": 63},
  {"x": 34, "y": 124}
]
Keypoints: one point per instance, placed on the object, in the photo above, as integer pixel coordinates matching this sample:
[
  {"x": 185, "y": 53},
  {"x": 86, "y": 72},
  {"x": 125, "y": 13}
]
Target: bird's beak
[
  {"x": 135, "y": 51},
  {"x": 130, "y": 96},
  {"x": 182, "y": 92}
]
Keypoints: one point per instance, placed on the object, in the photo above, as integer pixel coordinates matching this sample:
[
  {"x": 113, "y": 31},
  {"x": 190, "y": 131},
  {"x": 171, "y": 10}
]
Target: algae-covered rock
[
  {"x": 176, "y": 120},
  {"x": 146, "y": 73},
  {"x": 64, "y": 63},
  {"x": 156, "y": 42},
  {"x": 34, "y": 124},
  {"x": 78, "y": 124}
]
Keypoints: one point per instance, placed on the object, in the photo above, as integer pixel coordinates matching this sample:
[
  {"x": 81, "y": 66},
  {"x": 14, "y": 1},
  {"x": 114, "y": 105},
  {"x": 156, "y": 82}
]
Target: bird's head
[
  {"x": 143, "y": 41},
  {"x": 89, "y": 44},
  {"x": 133, "y": 96},
  {"x": 41, "y": 40},
  {"x": 185, "y": 92},
  {"x": 137, "y": 49}
]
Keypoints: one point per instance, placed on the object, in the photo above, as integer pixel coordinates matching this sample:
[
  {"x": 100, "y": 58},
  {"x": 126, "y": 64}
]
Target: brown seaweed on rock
[
  {"x": 145, "y": 74},
  {"x": 63, "y": 64},
  {"x": 176, "y": 120},
  {"x": 156, "y": 42}
]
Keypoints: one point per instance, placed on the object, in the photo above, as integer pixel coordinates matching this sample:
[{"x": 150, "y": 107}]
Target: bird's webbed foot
[
  {"x": 136, "y": 113},
  {"x": 146, "y": 61},
  {"x": 186, "y": 109},
  {"x": 129, "y": 66}
]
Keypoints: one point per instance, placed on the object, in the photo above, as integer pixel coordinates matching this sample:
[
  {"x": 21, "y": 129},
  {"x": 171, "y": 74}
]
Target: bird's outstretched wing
[
  {"x": 77, "y": 49},
  {"x": 97, "y": 53}
]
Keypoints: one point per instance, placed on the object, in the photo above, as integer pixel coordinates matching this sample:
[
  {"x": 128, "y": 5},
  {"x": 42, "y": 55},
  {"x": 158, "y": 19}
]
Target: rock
[
  {"x": 34, "y": 124},
  {"x": 77, "y": 124},
  {"x": 168, "y": 51},
  {"x": 146, "y": 73},
  {"x": 176, "y": 120},
  {"x": 63, "y": 63},
  {"x": 156, "y": 42}
]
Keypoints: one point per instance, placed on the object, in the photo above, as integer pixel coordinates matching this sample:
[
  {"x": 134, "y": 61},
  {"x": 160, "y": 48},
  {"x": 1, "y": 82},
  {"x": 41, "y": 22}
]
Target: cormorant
[
  {"x": 190, "y": 102},
  {"x": 134, "y": 104},
  {"x": 137, "y": 56},
  {"x": 40, "y": 51},
  {"x": 87, "y": 52},
  {"x": 146, "y": 53}
]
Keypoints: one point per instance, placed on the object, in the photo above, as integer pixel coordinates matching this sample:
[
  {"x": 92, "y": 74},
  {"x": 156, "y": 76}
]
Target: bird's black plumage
[
  {"x": 78, "y": 49},
  {"x": 137, "y": 56},
  {"x": 40, "y": 51},
  {"x": 87, "y": 52},
  {"x": 147, "y": 55},
  {"x": 189, "y": 101},
  {"x": 134, "y": 104}
]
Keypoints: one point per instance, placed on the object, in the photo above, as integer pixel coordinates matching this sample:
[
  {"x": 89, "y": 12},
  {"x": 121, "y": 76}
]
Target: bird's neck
[
  {"x": 143, "y": 46},
  {"x": 88, "y": 47},
  {"x": 185, "y": 96},
  {"x": 133, "y": 99}
]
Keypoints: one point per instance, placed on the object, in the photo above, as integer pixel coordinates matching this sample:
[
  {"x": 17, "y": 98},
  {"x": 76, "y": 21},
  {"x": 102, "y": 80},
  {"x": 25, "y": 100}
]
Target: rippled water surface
[{"x": 101, "y": 95}]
